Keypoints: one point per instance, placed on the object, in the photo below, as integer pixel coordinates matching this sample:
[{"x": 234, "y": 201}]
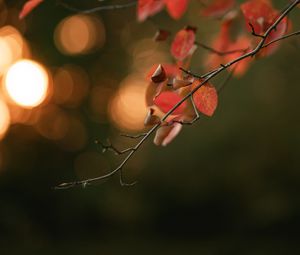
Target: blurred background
[{"x": 227, "y": 185}]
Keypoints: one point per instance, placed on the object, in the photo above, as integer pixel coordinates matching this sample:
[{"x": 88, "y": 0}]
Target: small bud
[
  {"x": 194, "y": 29},
  {"x": 159, "y": 75},
  {"x": 161, "y": 35}
]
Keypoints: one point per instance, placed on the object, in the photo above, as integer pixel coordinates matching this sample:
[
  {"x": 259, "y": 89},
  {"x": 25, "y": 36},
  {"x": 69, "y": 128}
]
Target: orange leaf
[
  {"x": 176, "y": 8},
  {"x": 205, "y": 98},
  {"x": 183, "y": 43},
  {"x": 28, "y": 7},
  {"x": 147, "y": 8}
]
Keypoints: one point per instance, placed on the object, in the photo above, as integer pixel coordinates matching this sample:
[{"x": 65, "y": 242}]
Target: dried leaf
[
  {"x": 166, "y": 134},
  {"x": 151, "y": 119},
  {"x": 180, "y": 83},
  {"x": 159, "y": 75}
]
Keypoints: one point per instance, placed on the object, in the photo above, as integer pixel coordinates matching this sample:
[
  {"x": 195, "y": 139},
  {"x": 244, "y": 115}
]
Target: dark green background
[{"x": 228, "y": 185}]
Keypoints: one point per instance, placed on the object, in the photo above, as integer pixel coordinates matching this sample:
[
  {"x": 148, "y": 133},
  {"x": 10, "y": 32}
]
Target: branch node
[{"x": 254, "y": 33}]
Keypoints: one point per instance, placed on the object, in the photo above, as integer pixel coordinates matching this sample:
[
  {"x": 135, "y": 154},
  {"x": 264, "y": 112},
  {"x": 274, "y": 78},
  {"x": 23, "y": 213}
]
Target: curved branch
[
  {"x": 97, "y": 9},
  {"x": 204, "y": 79}
]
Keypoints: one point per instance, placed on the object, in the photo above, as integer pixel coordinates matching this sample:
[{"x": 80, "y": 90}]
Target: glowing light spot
[
  {"x": 128, "y": 107},
  {"x": 12, "y": 47},
  {"x": 52, "y": 123},
  {"x": 4, "y": 119},
  {"x": 79, "y": 34},
  {"x": 71, "y": 85},
  {"x": 26, "y": 83}
]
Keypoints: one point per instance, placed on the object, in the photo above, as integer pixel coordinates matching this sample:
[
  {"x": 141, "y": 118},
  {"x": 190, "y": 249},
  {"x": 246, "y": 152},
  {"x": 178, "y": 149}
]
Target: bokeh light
[
  {"x": 128, "y": 108},
  {"x": 71, "y": 85},
  {"x": 52, "y": 123},
  {"x": 26, "y": 83},
  {"x": 79, "y": 34},
  {"x": 12, "y": 47},
  {"x": 4, "y": 119}
]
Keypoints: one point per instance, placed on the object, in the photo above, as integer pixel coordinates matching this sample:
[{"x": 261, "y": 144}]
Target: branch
[
  {"x": 110, "y": 147},
  {"x": 204, "y": 79},
  {"x": 254, "y": 33},
  {"x": 281, "y": 38},
  {"x": 221, "y": 53},
  {"x": 97, "y": 9}
]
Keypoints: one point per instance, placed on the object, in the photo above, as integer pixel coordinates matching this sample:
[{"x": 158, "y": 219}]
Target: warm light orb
[
  {"x": 128, "y": 108},
  {"x": 4, "y": 119},
  {"x": 79, "y": 34},
  {"x": 26, "y": 83}
]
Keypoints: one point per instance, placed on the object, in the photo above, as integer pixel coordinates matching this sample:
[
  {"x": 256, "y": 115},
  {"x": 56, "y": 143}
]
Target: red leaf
[
  {"x": 166, "y": 134},
  {"x": 147, "y": 8},
  {"x": 183, "y": 43},
  {"x": 28, "y": 7},
  {"x": 261, "y": 14},
  {"x": 167, "y": 100},
  {"x": 176, "y": 8},
  {"x": 242, "y": 42},
  {"x": 154, "y": 89},
  {"x": 205, "y": 98},
  {"x": 281, "y": 30},
  {"x": 218, "y": 8},
  {"x": 223, "y": 43}
]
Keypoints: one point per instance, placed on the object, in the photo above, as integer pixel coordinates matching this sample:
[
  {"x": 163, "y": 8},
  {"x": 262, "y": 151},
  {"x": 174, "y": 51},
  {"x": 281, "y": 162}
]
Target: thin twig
[
  {"x": 207, "y": 78},
  {"x": 97, "y": 9},
  {"x": 281, "y": 38},
  {"x": 254, "y": 33},
  {"x": 221, "y": 53},
  {"x": 110, "y": 147},
  {"x": 134, "y": 136}
]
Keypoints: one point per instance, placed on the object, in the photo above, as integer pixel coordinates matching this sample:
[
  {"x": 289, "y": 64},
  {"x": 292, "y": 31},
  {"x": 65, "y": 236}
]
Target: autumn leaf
[
  {"x": 261, "y": 15},
  {"x": 166, "y": 134},
  {"x": 155, "y": 89},
  {"x": 205, "y": 98},
  {"x": 176, "y": 8},
  {"x": 231, "y": 50},
  {"x": 166, "y": 100},
  {"x": 183, "y": 43},
  {"x": 217, "y": 8},
  {"x": 148, "y": 8},
  {"x": 28, "y": 7}
]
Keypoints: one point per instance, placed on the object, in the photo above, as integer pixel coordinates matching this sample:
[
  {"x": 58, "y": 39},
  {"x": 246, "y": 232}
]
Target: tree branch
[
  {"x": 220, "y": 53},
  {"x": 97, "y": 9},
  {"x": 204, "y": 79}
]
